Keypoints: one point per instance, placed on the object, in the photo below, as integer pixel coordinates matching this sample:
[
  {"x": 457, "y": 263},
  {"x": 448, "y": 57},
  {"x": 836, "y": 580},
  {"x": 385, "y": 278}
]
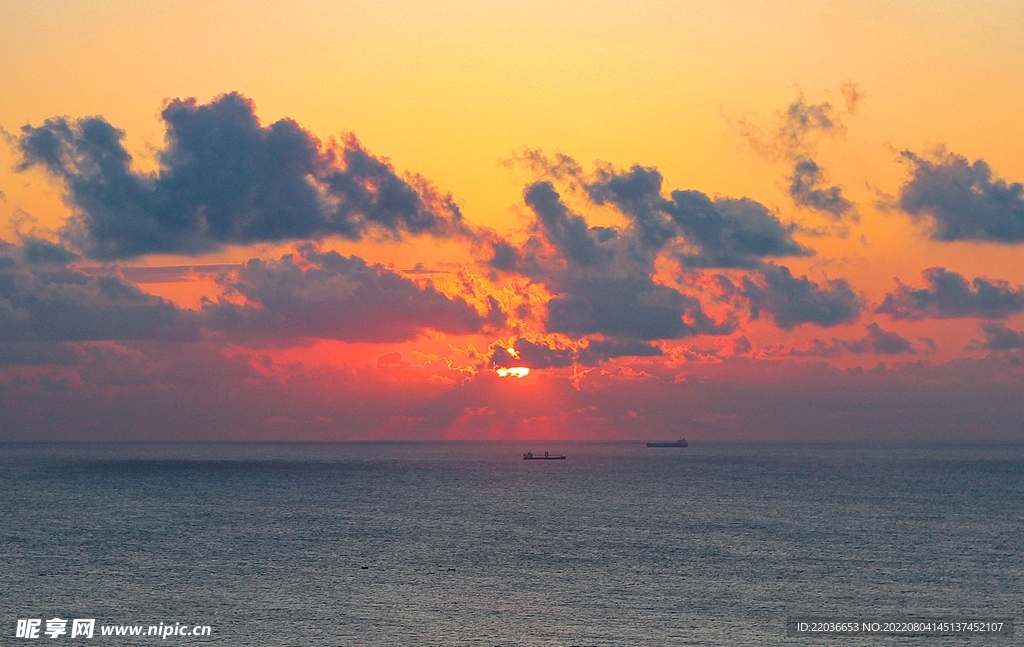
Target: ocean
[{"x": 468, "y": 544}]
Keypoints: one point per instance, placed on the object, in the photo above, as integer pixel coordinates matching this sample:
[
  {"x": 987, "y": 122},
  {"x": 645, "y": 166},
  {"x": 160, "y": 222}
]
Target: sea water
[{"x": 468, "y": 544}]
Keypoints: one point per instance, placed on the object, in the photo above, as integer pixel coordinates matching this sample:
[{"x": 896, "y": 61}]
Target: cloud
[
  {"x": 34, "y": 353},
  {"x": 876, "y": 341},
  {"x": 148, "y": 391},
  {"x": 999, "y": 337},
  {"x": 962, "y": 200},
  {"x": 884, "y": 342},
  {"x": 322, "y": 294},
  {"x": 801, "y": 120},
  {"x": 949, "y": 295},
  {"x": 795, "y": 141},
  {"x": 725, "y": 232},
  {"x": 42, "y": 299},
  {"x": 731, "y": 232},
  {"x": 798, "y": 127},
  {"x": 637, "y": 194},
  {"x": 793, "y": 301},
  {"x": 532, "y": 355},
  {"x": 38, "y": 250},
  {"x": 602, "y": 279},
  {"x": 568, "y": 232},
  {"x": 631, "y": 307},
  {"x": 540, "y": 354},
  {"x": 853, "y": 95},
  {"x": 599, "y": 351},
  {"x": 226, "y": 179},
  {"x": 174, "y": 273},
  {"x": 807, "y": 190}
]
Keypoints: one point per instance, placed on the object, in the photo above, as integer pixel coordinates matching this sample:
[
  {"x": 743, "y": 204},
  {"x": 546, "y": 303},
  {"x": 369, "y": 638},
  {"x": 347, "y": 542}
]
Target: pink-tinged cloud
[
  {"x": 876, "y": 341},
  {"x": 43, "y": 299},
  {"x": 949, "y": 295},
  {"x": 325, "y": 295},
  {"x": 193, "y": 391}
]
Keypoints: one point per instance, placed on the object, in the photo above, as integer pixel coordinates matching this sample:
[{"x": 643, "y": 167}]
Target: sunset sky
[{"x": 314, "y": 220}]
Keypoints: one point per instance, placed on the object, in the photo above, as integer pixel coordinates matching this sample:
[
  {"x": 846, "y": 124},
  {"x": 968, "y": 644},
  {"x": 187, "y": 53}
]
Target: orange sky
[{"x": 453, "y": 97}]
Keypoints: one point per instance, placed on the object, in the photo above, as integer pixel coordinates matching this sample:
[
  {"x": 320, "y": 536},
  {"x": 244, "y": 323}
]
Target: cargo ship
[
  {"x": 528, "y": 456},
  {"x": 678, "y": 443}
]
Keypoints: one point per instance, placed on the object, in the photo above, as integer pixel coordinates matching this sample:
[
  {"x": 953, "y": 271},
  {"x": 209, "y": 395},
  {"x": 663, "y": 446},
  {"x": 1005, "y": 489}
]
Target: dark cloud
[
  {"x": 885, "y": 342},
  {"x": 42, "y": 299},
  {"x": 875, "y": 341},
  {"x": 633, "y": 307},
  {"x": 602, "y": 350},
  {"x": 999, "y": 337},
  {"x": 568, "y": 232},
  {"x": 793, "y": 301},
  {"x": 501, "y": 357},
  {"x": 795, "y": 141},
  {"x": 532, "y": 355},
  {"x": 504, "y": 256},
  {"x": 742, "y": 346},
  {"x": 930, "y": 345},
  {"x": 962, "y": 200},
  {"x": 318, "y": 294},
  {"x": 637, "y": 193},
  {"x": 950, "y": 295},
  {"x": 602, "y": 279},
  {"x": 731, "y": 232},
  {"x": 806, "y": 188},
  {"x": 539, "y": 354},
  {"x": 723, "y": 232},
  {"x": 226, "y": 179},
  {"x": 35, "y": 353},
  {"x": 38, "y": 250},
  {"x": 801, "y": 119}
]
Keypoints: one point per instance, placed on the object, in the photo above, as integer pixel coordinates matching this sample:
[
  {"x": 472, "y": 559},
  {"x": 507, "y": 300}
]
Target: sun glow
[{"x": 512, "y": 371}]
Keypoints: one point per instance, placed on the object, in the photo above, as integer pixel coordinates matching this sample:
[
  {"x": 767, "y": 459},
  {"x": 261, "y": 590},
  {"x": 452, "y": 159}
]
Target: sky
[{"x": 606, "y": 220}]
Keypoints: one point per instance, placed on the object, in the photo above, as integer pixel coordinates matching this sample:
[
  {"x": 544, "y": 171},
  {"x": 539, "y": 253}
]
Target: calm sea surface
[{"x": 467, "y": 544}]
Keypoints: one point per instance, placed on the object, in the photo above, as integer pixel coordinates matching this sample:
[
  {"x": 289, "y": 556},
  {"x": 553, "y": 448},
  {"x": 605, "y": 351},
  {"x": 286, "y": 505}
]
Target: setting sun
[{"x": 512, "y": 371}]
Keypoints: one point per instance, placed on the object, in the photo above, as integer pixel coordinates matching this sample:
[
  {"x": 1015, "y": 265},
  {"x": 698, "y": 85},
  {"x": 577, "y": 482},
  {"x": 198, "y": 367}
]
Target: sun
[{"x": 512, "y": 371}]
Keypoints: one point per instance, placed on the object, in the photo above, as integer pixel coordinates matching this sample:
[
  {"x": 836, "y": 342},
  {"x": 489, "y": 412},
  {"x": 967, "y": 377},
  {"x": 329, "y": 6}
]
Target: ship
[
  {"x": 528, "y": 456},
  {"x": 678, "y": 443}
]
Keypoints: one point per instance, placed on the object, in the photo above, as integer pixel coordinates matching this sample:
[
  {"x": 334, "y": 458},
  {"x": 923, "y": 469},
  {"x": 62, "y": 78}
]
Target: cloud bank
[{"x": 43, "y": 299}]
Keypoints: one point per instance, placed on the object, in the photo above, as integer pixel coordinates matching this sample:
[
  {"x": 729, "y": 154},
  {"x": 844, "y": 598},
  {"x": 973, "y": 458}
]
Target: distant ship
[
  {"x": 528, "y": 456},
  {"x": 678, "y": 443}
]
